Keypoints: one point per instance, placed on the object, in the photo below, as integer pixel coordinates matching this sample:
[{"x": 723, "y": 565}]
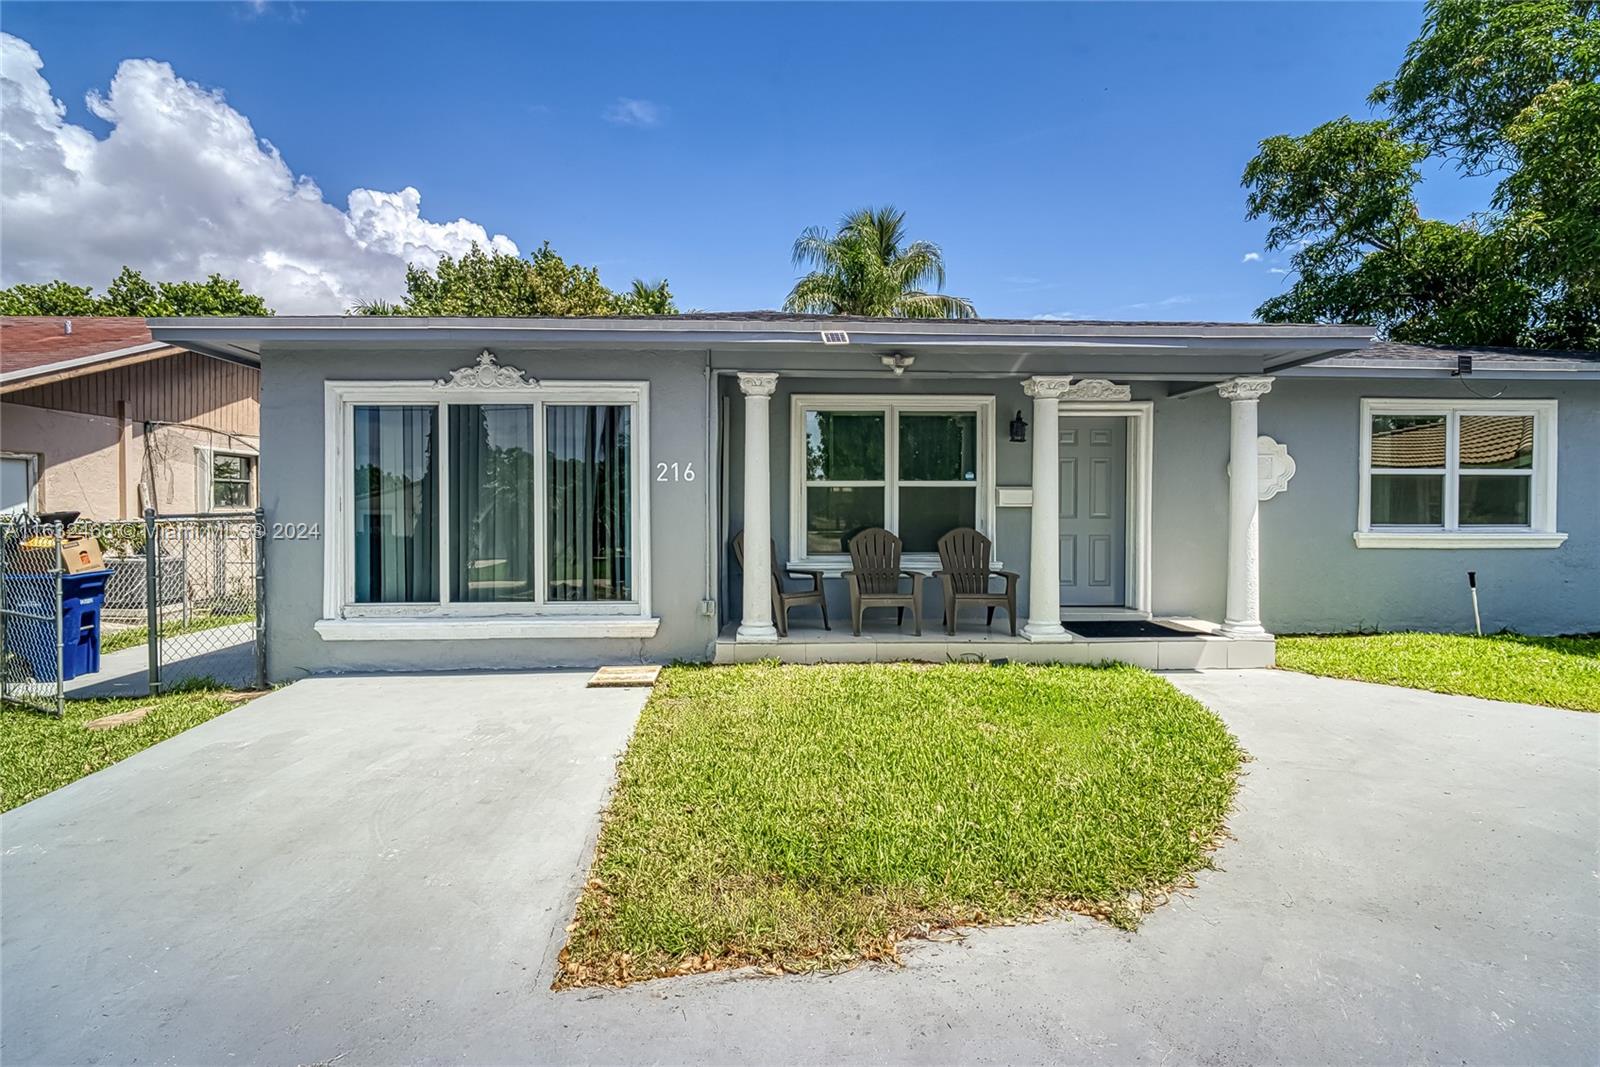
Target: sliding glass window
[
  {"x": 491, "y": 502},
  {"x": 590, "y": 517},
  {"x": 396, "y": 505},
  {"x": 493, "y": 507}
]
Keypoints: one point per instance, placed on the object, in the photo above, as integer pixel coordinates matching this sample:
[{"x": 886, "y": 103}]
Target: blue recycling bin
[{"x": 30, "y": 600}]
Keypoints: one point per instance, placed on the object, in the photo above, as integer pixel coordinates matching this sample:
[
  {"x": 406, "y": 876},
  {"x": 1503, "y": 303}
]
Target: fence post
[
  {"x": 183, "y": 549},
  {"x": 152, "y": 601},
  {"x": 5, "y": 618},
  {"x": 261, "y": 598},
  {"x": 61, "y": 640}
]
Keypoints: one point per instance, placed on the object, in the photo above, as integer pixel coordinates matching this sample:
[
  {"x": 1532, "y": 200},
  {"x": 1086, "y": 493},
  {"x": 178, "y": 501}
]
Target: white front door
[{"x": 1094, "y": 512}]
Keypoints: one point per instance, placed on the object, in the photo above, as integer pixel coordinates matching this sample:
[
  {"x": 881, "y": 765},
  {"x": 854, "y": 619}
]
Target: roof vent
[{"x": 835, "y": 337}]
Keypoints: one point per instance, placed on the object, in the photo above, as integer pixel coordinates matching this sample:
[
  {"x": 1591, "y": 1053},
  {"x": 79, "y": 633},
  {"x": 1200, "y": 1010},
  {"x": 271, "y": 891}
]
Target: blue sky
[{"x": 1072, "y": 160}]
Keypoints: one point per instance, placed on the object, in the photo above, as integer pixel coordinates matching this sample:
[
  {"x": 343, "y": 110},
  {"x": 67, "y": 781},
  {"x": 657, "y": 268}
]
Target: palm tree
[
  {"x": 376, "y": 306},
  {"x": 647, "y": 298},
  {"x": 868, "y": 268}
]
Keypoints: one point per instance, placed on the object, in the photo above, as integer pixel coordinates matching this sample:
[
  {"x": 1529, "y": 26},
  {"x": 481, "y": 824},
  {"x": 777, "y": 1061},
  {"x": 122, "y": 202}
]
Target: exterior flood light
[
  {"x": 1019, "y": 428},
  {"x": 897, "y": 362}
]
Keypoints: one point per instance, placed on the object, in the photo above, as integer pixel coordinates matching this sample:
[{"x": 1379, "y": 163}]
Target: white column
[
  {"x": 1243, "y": 618},
  {"x": 1044, "y": 553},
  {"x": 757, "y": 623}
]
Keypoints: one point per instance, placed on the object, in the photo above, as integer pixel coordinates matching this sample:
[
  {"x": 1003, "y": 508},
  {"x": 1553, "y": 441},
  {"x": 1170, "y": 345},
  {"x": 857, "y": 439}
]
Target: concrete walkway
[
  {"x": 225, "y": 653},
  {"x": 379, "y": 870}
]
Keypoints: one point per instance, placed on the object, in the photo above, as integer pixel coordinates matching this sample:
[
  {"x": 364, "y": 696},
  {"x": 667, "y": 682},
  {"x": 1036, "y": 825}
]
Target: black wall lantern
[{"x": 1019, "y": 428}]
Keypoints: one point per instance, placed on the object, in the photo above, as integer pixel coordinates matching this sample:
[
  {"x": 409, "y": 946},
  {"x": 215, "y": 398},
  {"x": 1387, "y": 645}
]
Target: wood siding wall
[{"x": 187, "y": 389}]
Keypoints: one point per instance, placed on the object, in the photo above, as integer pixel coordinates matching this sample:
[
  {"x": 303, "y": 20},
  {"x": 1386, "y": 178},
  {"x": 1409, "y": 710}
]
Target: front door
[{"x": 1094, "y": 512}]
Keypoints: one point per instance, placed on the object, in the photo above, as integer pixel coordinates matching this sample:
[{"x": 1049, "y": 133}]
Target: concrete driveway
[{"x": 378, "y": 870}]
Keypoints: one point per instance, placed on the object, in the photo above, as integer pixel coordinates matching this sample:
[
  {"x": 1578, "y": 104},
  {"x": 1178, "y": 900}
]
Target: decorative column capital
[
  {"x": 1046, "y": 388},
  {"x": 1098, "y": 389},
  {"x": 757, "y": 384},
  {"x": 1244, "y": 388}
]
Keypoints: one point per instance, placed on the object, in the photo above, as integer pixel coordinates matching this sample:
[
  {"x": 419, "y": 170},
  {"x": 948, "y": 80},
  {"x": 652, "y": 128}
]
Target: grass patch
[
  {"x": 1560, "y": 672},
  {"x": 800, "y": 818},
  {"x": 116, "y": 640},
  {"x": 40, "y": 753}
]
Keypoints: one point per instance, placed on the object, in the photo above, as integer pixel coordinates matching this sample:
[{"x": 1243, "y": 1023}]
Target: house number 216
[{"x": 675, "y": 472}]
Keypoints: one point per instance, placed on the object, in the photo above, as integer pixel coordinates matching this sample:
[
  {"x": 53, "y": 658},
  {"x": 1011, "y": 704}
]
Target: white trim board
[{"x": 485, "y": 629}]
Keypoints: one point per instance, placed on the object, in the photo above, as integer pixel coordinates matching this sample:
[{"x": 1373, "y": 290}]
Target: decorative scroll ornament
[
  {"x": 486, "y": 374},
  {"x": 1041, "y": 387},
  {"x": 1098, "y": 390},
  {"x": 1274, "y": 468},
  {"x": 1244, "y": 388}
]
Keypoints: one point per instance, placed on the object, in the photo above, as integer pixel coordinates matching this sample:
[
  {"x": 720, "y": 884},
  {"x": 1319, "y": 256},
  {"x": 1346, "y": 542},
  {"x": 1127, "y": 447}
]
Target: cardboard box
[{"x": 78, "y": 554}]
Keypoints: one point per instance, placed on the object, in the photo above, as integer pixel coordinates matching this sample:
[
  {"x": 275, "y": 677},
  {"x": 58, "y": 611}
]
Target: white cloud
[
  {"x": 182, "y": 186},
  {"x": 629, "y": 112},
  {"x": 1164, "y": 302},
  {"x": 1251, "y": 257},
  {"x": 1057, "y": 316},
  {"x": 1276, "y": 270}
]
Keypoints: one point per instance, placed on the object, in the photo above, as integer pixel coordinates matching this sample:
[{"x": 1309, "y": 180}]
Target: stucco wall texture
[
  {"x": 1314, "y": 578},
  {"x": 95, "y": 465},
  {"x": 292, "y": 399}
]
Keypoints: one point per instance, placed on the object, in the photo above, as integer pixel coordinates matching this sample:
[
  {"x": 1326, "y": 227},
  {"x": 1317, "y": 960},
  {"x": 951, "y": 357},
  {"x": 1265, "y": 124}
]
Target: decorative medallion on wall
[
  {"x": 1275, "y": 468},
  {"x": 486, "y": 374},
  {"x": 1098, "y": 390}
]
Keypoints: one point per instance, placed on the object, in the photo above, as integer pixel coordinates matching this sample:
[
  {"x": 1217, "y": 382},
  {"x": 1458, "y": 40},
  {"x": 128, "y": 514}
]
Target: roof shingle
[{"x": 30, "y": 342}]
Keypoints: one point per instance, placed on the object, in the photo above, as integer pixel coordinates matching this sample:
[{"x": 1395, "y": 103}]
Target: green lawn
[
  {"x": 40, "y": 753},
  {"x": 806, "y": 817},
  {"x": 1562, "y": 672},
  {"x": 115, "y": 640}
]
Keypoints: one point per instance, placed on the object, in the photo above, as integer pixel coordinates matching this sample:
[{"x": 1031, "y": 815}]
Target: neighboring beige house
[{"x": 99, "y": 418}]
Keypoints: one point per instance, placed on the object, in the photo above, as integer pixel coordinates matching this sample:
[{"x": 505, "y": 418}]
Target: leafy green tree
[
  {"x": 869, "y": 268},
  {"x": 491, "y": 283},
  {"x": 1508, "y": 88},
  {"x": 131, "y": 294},
  {"x": 50, "y": 298}
]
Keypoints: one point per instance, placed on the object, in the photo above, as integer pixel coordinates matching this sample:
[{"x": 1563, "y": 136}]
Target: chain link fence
[
  {"x": 203, "y": 583},
  {"x": 32, "y": 651},
  {"x": 181, "y": 605}
]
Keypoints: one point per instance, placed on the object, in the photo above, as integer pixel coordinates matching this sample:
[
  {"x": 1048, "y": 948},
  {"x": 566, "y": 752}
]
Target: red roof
[{"x": 28, "y": 342}]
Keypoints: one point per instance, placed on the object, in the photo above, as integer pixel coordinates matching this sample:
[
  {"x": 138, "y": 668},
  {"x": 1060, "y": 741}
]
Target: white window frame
[
  {"x": 890, "y": 406},
  {"x": 31, "y": 505},
  {"x": 344, "y": 619},
  {"x": 208, "y": 460},
  {"x": 1541, "y": 530}
]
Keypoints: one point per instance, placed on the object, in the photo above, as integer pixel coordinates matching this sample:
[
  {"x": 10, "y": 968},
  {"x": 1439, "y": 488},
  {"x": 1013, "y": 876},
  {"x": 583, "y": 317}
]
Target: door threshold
[{"x": 1101, "y": 614}]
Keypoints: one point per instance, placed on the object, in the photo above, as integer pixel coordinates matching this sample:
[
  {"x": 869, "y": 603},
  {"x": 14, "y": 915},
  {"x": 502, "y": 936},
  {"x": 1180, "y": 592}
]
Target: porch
[
  {"x": 1067, "y": 499},
  {"x": 1199, "y": 645}
]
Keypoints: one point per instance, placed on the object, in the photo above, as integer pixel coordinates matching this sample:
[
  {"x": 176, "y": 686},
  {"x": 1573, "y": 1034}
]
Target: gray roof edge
[
  {"x": 701, "y": 331},
  {"x": 1506, "y": 370}
]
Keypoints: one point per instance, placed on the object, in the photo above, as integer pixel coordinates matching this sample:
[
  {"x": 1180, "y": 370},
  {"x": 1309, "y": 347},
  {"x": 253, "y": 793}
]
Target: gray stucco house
[{"x": 457, "y": 493}]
